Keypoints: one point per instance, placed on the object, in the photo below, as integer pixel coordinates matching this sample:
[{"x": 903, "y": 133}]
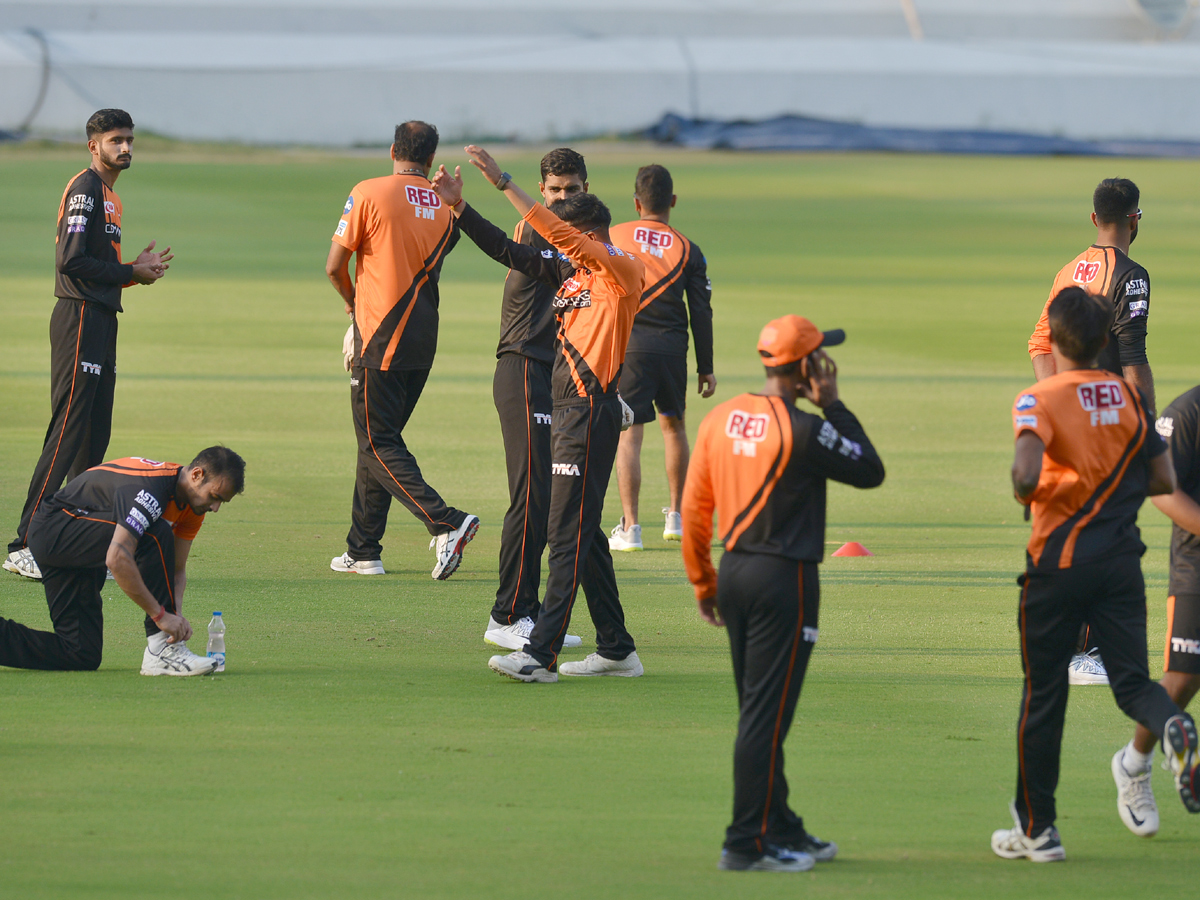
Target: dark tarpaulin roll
[{"x": 802, "y": 133}]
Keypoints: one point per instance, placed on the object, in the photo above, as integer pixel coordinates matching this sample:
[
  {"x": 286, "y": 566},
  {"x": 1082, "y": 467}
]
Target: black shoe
[
  {"x": 775, "y": 859},
  {"x": 821, "y": 851}
]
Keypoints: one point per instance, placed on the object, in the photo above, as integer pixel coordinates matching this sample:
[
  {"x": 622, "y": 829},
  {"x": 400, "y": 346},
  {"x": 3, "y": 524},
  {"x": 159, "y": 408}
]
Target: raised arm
[{"x": 492, "y": 240}]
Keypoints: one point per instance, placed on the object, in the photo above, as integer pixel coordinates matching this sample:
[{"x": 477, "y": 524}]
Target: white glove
[
  {"x": 626, "y": 414},
  {"x": 348, "y": 348}
]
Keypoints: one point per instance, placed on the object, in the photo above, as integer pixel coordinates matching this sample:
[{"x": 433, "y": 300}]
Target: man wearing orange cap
[{"x": 761, "y": 465}]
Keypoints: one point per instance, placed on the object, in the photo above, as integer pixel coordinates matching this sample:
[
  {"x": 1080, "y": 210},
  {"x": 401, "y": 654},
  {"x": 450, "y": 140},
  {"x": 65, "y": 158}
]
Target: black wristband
[{"x": 505, "y": 178}]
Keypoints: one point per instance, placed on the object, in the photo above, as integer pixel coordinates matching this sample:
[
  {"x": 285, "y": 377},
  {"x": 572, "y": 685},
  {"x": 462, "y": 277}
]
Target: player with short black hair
[
  {"x": 401, "y": 234},
  {"x": 1106, "y": 269},
  {"x": 1179, "y": 426},
  {"x": 522, "y": 394},
  {"x": 127, "y": 515},
  {"x": 654, "y": 377},
  {"x": 88, "y": 282},
  {"x": 597, "y": 290},
  {"x": 1084, "y": 461}
]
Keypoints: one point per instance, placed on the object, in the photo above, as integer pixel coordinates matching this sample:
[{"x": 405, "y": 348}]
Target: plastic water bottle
[{"x": 216, "y": 640}]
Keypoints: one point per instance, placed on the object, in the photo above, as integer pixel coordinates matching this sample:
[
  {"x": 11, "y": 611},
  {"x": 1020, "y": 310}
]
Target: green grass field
[{"x": 358, "y": 746}]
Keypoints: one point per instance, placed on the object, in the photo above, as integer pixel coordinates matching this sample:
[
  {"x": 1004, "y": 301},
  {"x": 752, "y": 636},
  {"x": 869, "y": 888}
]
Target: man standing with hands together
[{"x": 88, "y": 280}]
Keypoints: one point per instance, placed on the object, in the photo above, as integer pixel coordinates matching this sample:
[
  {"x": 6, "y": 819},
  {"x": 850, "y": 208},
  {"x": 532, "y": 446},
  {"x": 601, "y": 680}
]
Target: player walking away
[
  {"x": 115, "y": 516},
  {"x": 598, "y": 287},
  {"x": 88, "y": 279},
  {"x": 1179, "y": 426},
  {"x": 1085, "y": 460},
  {"x": 655, "y": 370},
  {"x": 1106, "y": 269},
  {"x": 521, "y": 392},
  {"x": 401, "y": 233},
  {"x": 761, "y": 465}
]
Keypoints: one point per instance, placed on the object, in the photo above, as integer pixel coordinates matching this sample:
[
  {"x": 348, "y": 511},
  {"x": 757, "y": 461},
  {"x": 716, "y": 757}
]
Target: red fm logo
[
  {"x": 1102, "y": 399},
  {"x": 747, "y": 431},
  {"x": 1085, "y": 272},
  {"x": 648, "y": 237},
  {"x": 424, "y": 199}
]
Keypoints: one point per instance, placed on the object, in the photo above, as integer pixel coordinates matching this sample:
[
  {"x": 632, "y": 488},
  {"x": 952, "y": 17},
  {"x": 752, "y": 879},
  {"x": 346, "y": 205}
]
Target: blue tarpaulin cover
[{"x": 802, "y": 133}]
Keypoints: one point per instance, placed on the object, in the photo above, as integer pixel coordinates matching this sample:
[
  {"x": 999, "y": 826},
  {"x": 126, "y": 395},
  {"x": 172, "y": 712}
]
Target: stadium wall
[{"x": 343, "y": 72}]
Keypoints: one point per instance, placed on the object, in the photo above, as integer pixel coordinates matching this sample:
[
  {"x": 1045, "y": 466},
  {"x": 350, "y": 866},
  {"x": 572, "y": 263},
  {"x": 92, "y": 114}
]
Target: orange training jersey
[
  {"x": 1095, "y": 469},
  {"x": 596, "y": 307},
  {"x": 401, "y": 233},
  {"x": 761, "y": 465},
  {"x": 675, "y": 268},
  {"x": 184, "y": 523},
  {"x": 87, "y": 256},
  {"x": 1108, "y": 273}
]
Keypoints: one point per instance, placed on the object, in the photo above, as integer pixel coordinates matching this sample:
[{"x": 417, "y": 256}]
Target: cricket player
[
  {"x": 1106, "y": 269},
  {"x": 89, "y": 277},
  {"x": 761, "y": 465},
  {"x": 597, "y": 294},
  {"x": 115, "y": 516},
  {"x": 1085, "y": 459},
  {"x": 654, "y": 376},
  {"x": 1179, "y": 426},
  {"x": 401, "y": 234}
]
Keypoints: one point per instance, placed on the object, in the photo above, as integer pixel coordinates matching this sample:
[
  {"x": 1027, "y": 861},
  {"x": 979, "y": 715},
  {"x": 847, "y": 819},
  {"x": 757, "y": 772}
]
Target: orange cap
[{"x": 790, "y": 338}]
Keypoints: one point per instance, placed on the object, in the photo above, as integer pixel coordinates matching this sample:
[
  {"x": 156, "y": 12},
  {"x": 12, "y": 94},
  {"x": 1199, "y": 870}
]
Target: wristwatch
[{"x": 505, "y": 178}]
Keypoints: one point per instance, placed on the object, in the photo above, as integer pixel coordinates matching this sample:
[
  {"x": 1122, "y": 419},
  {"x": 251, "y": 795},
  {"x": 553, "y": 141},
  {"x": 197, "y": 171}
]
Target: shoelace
[
  {"x": 525, "y": 627},
  {"x": 1138, "y": 793}
]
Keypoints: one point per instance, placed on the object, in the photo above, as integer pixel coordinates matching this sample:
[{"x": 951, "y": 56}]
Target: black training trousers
[
  {"x": 770, "y": 607},
  {"x": 521, "y": 392},
  {"x": 71, "y": 550},
  {"x": 584, "y": 440},
  {"x": 382, "y": 402},
  {"x": 1111, "y": 596},
  {"x": 83, "y": 377}
]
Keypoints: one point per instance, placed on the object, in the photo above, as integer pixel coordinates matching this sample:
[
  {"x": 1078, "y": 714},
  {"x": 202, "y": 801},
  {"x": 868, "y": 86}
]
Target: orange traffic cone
[{"x": 853, "y": 548}]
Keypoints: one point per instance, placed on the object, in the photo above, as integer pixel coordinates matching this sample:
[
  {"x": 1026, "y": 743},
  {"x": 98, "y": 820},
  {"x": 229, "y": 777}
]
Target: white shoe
[
  {"x": 510, "y": 637},
  {"x": 520, "y": 666},
  {"x": 22, "y": 562},
  {"x": 625, "y": 540},
  {"x": 1135, "y": 798},
  {"x": 449, "y": 547},
  {"x": 673, "y": 529},
  {"x": 1087, "y": 668},
  {"x": 176, "y": 659},
  {"x": 345, "y": 563},
  {"x": 516, "y": 635},
  {"x": 594, "y": 664}
]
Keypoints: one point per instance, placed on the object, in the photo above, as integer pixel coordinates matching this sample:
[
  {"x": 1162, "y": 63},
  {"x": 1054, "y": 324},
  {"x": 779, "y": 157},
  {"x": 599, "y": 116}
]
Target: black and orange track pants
[
  {"x": 70, "y": 550},
  {"x": 382, "y": 403},
  {"x": 83, "y": 377},
  {"x": 1110, "y": 596},
  {"x": 770, "y": 606}
]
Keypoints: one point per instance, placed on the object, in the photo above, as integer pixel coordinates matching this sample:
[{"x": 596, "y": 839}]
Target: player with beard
[
  {"x": 598, "y": 287},
  {"x": 89, "y": 277},
  {"x": 521, "y": 392},
  {"x": 1106, "y": 270}
]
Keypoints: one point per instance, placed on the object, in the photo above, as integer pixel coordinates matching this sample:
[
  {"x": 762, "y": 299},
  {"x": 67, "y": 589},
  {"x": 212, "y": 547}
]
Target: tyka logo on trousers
[
  {"x": 541, "y": 418},
  {"x": 90, "y": 368},
  {"x": 564, "y": 469}
]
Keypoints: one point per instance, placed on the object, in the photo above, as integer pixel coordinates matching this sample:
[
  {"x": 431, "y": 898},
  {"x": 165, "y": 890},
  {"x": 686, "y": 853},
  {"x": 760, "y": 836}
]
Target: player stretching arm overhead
[{"x": 597, "y": 291}]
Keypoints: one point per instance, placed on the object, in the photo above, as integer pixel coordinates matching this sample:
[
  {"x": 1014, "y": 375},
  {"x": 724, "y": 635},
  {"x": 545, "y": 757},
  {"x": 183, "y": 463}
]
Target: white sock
[
  {"x": 157, "y": 642},
  {"x": 1134, "y": 762}
]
